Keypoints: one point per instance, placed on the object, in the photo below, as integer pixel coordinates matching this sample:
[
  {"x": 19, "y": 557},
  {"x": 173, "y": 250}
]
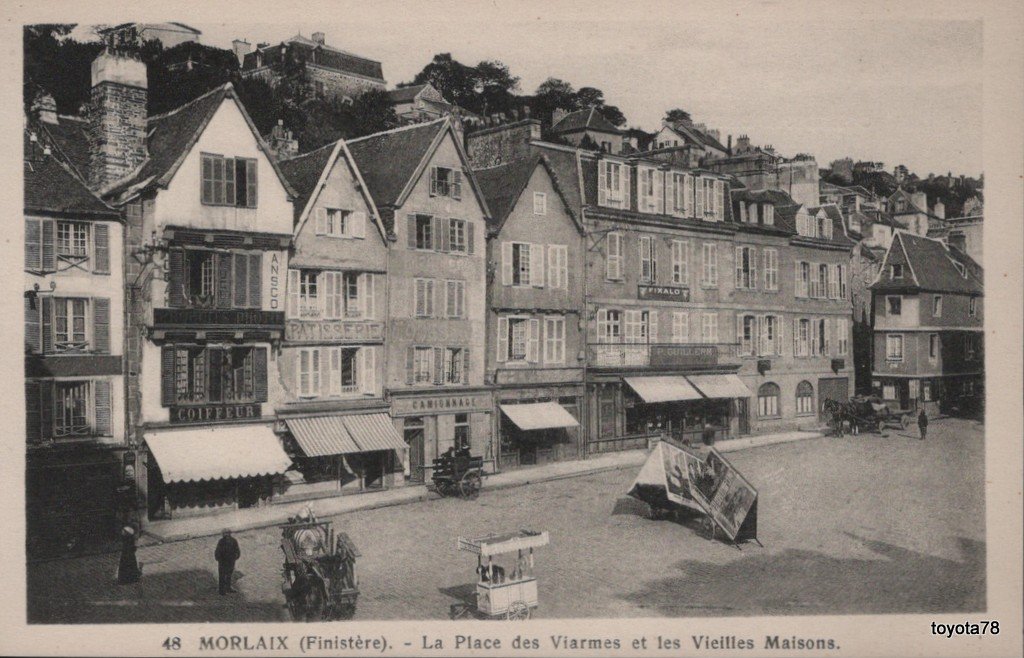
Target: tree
[
  {"x": 553, "y": 94},
  {"x": 57, "y": 65},
  {"x": 369, "y": 113},
  {"x": 455, "y": 80},
  {"x": 495, "y": 87},
  {"x": 593, "y": 97},
  {"x": 677, "y": 115}
]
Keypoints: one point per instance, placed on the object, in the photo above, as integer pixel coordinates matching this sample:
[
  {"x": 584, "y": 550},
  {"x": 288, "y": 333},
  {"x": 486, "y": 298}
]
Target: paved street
[{"x": 863, "y": 524}]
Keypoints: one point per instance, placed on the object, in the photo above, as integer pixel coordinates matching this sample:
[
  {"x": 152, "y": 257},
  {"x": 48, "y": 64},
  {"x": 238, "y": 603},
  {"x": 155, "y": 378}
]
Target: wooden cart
[
  {"x": 458, "y": 475},
  {"x": 499, "y": 596},
  {"x": 319, "y": 571}
]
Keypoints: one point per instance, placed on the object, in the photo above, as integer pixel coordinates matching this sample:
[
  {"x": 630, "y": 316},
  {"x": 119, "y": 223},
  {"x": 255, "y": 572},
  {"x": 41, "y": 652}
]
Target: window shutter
[
  {"x": 457, "y": 184},
  {"x": 532, "y": 348},
  {"x": 434, "y": 299},
  {"x": 739, "y": 333},
  {"x": 49, "y": 246},
  {"x": 47, "y": 313},
  {"x": 359, "y": 224},
  {"x": 602, "y": 325},
  {"x": 626, "y": 185},
  {"x": 779, "y": 324},
  {"x": 410, "y": 360},
  {"x": 552, "y": 266},
  {"x": 411, "y": 224},
  {"x": 255, "y": 280},
  {"x": 32, "y": 409},
  {"x": 176, "y": 278},
  {"x": 101, "y": 325},
  {"x": 796, "y": 336},
  {"x": 101, "y": 247},
  {"x": 33, "y": 245},
  {"x": 659, "y": 191},
  {"x": 259, "y": 366},
  {"x": 753, "y": 268},
  {"x": 465, "y": 365},
  {"x": 828, "y": 337},
  {"x": 368, "y": 377},
  {"x": 334, "y": 371},
  {"x": 223, "y": 281},
  {"x": 699, "y": 185},
  {"x": 433, "y": 181},
  {"x": 251, "y": 183},
  {"x": 229, "y": 182},
  {"x": 438, "y": 365},
  {"x": 45, "y": 410},
  {"x": 293, "y": 294},
  {"x": 506, "y": 263},
  {"x": 502, "y": 341},
  {"x": 240, "y": 278},
  {"x": 368, "y": 293},
  {"x": 437, "y": 235},
  {"x": 670, "y": 193},
  {"x": 101, "y": 390},
  {"x": 796, "y": 279},
  {"x": 470, "y": 229},
  {"x": 602, "y": 183},
  {"x": 32, "y": 326},
  {"x": 446, "y": 234},
  {"x": 652, "y": 326},
  {"x": 720, "y": 199},
  {"x": 167, "y": 375},
  {"x": 739, "y": 267},
  {"x": 537, "y": 265}
]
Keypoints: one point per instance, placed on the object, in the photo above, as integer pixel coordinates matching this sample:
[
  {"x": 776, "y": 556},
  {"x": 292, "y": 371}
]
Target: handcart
[
  {"x": 511, "y": 596},
  {"x": 319, "y": 571}
]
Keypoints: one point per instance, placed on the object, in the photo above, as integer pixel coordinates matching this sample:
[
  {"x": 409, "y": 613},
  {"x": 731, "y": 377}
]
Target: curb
[{"x": 423, "y": 495}]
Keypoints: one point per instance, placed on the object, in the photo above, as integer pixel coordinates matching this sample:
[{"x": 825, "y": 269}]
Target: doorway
[
  {"x": 743, "y": 416},
  {"x": 415, "y": 438}
]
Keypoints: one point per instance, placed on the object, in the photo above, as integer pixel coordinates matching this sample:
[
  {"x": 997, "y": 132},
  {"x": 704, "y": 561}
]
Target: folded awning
[
  {"x": 663, "y": 389},
  {"x": 720, "y": 386},
  {"x": 374, "y": 432},
  {"x": 539, "y": 415},
  {"x": 320, "y": 436},
  {"x": 216, "y": 453}
]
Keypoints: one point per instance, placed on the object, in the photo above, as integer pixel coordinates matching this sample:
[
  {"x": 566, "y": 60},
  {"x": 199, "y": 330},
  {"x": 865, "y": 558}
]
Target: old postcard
[{"x": 520, "y": 328}]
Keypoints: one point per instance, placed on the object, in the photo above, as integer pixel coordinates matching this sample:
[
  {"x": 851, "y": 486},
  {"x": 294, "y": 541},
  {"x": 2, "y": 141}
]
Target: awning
[
  {"x": 539, "y": 415},
  {"x": 215, "y": 453},
  {"x": 663, "y": 389},
  {"x": 720, "y": 386},
  {"x": 320, "y": 436}
]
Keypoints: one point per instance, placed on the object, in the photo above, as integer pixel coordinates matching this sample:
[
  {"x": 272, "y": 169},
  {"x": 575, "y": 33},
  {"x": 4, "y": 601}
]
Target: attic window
[
  {"x": 896, "y": 271},
  {"x": 228, "y": 181}
]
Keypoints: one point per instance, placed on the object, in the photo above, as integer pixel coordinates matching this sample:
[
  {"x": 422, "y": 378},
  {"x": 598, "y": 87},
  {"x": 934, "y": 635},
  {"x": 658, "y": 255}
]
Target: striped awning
[
  {"x": 720, "y": 386},
  {"x": 663, "y": 389},
  {"x": 539, "y": 415},
  {"x": 319, "y": 436},
  {"x": 217, "y": 453}
]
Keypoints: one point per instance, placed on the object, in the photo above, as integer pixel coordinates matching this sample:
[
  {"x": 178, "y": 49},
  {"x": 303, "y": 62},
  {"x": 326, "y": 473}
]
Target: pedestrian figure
[
  {"x": 922, "y": 424},
  {"x": 128, "y": 568},
  {"x": 226, "y": 554}
]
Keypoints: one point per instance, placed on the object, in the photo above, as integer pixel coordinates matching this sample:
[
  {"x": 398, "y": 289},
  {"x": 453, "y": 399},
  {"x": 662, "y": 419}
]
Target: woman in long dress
[{"x": 128, "y": 568}]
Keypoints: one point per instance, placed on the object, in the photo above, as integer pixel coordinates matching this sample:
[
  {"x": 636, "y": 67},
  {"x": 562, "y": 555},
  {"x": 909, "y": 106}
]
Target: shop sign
[
  {"x": 193, "y": 317},
  {"x": 684, "y": 355},
  {"x": 440, "y": 404},
  {"x": 838, "y": 364},
  {"x": 663, "y": 293},
  {"x": 332, "y": 330},
  {"x": 213, "y": 413}
]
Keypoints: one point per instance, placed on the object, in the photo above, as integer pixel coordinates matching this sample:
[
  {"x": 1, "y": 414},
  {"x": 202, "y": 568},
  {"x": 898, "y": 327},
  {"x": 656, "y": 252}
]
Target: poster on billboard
[
  {"x": 723, "y": 493},
  {"x": 664, "y": 478}
]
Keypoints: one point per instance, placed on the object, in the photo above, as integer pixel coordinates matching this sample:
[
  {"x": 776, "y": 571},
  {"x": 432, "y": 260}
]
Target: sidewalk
[{"x": 247, "y": 519}]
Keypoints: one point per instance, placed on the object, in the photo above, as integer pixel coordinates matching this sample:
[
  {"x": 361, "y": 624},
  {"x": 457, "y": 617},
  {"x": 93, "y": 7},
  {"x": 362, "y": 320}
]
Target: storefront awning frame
[
  {"x": 663, "y": 388},
  {"x": 720, "y": 386},
  {"x": 217, "y": 453},
  {"x": 539, "y": 415}
]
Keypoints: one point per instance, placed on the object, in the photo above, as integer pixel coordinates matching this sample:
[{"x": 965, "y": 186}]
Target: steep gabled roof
[
  {"x": 588, "y": 119},
  {"x": 933, "y": 267},
  {"x": 52, "y": 187},
  {"x": 503, "y": 186},
  {"x": 695, "y": 136},
  {"x": 69, "y": 141},
  {"x": 327, "y": 56}
]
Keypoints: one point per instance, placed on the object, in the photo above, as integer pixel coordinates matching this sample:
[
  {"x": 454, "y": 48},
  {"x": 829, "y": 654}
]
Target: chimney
[
  {"x": 319, "y": 37},
  {"x": 46, "y": 108},
  {"x": 939, "y": 210},
  {"x": 728, "y": 147},
  {"x": 241, "y": 48},
  {"x": 282, "y": 143},
  {"x": 117, "y": 118},
  {"x": 742, "y": 144}
]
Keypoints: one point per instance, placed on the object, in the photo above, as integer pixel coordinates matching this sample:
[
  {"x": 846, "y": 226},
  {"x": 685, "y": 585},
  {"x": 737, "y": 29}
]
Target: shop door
[
  {"x": 743, "y": 415},
  {"x": 414, "y": 437},
  {"x": 833, "y": 388}
]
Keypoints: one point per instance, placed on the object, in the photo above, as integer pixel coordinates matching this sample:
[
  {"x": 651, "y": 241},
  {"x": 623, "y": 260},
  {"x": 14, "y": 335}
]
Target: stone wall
[{"x": 501, "y": 144}]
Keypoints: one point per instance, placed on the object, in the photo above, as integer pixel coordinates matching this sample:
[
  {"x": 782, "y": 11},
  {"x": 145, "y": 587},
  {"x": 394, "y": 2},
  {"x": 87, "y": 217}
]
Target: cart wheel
[
  {"x": 707, "y": 528},
  {"x": 518, "y": 610},
  {"x": 469, "y": 487}
]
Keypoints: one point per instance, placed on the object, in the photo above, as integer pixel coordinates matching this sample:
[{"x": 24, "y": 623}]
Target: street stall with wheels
[
  {"x": 499, "y": 596},
  {"x": 319, "y": 571}
]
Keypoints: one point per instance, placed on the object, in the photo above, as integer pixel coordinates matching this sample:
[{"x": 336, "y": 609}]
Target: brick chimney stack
[
  {"x": 319, "y": 37},
  {"x": 241, "y": 48},
  {"x": 117, "y": 118}
]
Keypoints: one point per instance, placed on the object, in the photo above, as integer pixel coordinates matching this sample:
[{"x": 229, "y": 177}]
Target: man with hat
[{"x": 226, "y": 554}]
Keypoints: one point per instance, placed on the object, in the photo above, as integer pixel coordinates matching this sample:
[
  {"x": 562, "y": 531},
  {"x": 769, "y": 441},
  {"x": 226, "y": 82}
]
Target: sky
[{"x": 865, "y": 84}]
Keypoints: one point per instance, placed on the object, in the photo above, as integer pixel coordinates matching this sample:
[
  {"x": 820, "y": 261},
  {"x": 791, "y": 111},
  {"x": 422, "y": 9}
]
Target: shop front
[
  {"x": 204, "y": 469},
  {"x": 340, "y": 453},
  {"x": 430, "y": 422},
  {"x": 538, "y": 431}
]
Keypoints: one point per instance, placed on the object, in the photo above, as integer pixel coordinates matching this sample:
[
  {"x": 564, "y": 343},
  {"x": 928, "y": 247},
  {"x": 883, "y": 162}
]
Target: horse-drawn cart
[
  {"x": 865, "y": 412},
  {"x": 458, "y": 474},
  {"x": 319, "y": 571}
]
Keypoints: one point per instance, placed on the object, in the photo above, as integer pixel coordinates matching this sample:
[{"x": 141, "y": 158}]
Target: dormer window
[
  {"x": 446, "y": 182},
  {"x": 896, "y": 271},
  {"x": 769, "y": 214}
]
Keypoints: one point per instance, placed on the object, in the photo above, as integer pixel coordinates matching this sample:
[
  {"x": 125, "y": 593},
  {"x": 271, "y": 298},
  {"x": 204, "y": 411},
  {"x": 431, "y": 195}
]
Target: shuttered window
[
  {"x": 455, "y": 299},
  {"x": 199, "y": 278},
  {"x": 771, "y": 269},
  {"x": 613, "y": 269},
  {"x": 229, "y": 181},
  {"x": 423, "y": 293},
  {"x": 101, "y": 247},
  {"x": 558, "y": 266},
  {"x": 198, "y": 375},
  {"x": 445, "y": 181}
]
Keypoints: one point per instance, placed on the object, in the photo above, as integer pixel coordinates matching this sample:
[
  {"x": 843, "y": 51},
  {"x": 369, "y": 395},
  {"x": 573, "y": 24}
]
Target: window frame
[
  {"x": 540, "y": 203},
  {"x": 768, "y": 400},
  {"x": 805, "y": 402},
  {"x": 709, "y": 266},
  {"x": 458, "y": 228},
  {"x": 521, "y": 265},
  {"x": 936, "y": 306},
  {"x": 554, "y": 346},
  {"x": 417, "y": 361},
  {"x": 889, "y": 306},
  {"x": 894, "y": 348}
]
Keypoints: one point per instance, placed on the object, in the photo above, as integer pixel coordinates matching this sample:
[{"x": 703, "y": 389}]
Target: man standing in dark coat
[
  {"x": 922, "y": 424},
  {"x": 227, "y": 554}
]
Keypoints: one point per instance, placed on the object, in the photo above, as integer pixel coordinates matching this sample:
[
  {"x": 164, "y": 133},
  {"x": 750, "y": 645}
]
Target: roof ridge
[
  {"x": 396, "y": 130},
  {"x": 227, "y": 86},
  {"x": 309, "y": 153}
]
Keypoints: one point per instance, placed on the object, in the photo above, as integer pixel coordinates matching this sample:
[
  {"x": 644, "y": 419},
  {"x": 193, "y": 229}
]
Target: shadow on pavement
[
  {"x": 630, "y": 506},
  {"x": 461, "y": 593},
  {"x": 179, "y": 596},
  {"x": 812, "y": 583}
]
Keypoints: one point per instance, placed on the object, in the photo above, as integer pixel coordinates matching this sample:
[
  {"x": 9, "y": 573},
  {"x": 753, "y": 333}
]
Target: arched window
[
  {"x": 804, "y": 398},
  {"x": 768, "y": 400}
]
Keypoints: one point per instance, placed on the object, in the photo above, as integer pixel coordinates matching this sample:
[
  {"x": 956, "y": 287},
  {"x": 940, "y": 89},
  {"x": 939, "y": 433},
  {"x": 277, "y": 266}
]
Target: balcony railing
[{"x": 619, "y": 355}]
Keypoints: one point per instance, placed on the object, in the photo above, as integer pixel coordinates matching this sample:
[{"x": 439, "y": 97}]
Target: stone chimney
[
  {"x": 920, "y": 199},
  {"x": 117, "y": 118},
  {"x": 742, "y": 144},
  {"x": 282, "y": 143},
  {"x": 46, "y": 108},
  {"x": 241, "y": 48},
  {"x": 319, "y": 37}
]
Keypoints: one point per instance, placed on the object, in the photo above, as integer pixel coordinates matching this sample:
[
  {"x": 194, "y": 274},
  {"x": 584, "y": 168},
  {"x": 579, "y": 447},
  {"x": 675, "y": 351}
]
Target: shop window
[
  {"x": 804, "y": 398},
  {"x": 768, "y": 400},
  {"x": 462, "y": 436}
]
